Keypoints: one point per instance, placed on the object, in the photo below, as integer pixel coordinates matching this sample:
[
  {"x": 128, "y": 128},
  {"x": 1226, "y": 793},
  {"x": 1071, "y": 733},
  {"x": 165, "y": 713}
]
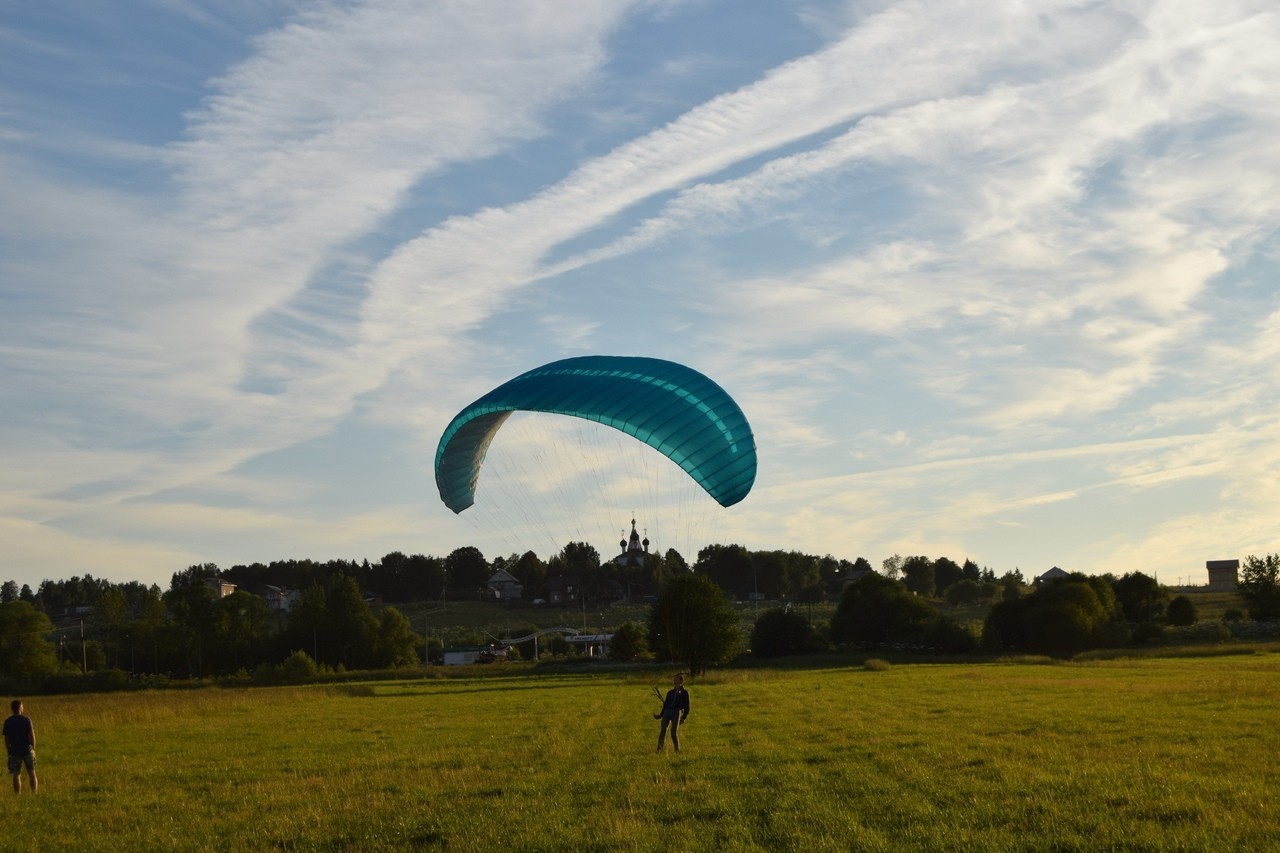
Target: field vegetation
[{"x": 828, "y": 753}]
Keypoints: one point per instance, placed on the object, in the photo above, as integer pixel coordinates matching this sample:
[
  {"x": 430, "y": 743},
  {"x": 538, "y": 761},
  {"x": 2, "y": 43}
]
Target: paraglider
[{"x": 673, "y": 408}]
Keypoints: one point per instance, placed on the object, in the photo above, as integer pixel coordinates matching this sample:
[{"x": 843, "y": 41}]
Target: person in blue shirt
[
  {"x": 675, "y": 710},
  {"x": 20, "y": 740}
]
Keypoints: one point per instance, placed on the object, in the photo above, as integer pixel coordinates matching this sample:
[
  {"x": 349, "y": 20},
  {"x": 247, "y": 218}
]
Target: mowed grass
[{"x": 1152, "y": 754}]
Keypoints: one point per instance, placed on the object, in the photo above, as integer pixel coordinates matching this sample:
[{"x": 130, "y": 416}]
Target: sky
[{"x": 991, "y": 280}]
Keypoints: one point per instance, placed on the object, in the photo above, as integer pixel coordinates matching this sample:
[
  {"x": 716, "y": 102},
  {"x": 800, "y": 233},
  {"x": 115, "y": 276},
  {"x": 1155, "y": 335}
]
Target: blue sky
[{"x": 991, "y": 280}]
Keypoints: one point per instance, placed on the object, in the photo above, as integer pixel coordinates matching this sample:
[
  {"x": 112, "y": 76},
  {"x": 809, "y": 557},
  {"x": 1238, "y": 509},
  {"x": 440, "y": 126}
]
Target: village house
[
  {"x": 1053, "y": 574},
  {"x": 505, "y": 586},
  {"x": 1223, "y": 574}
]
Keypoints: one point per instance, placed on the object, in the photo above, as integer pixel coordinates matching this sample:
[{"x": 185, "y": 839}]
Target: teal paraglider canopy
[{"x": 672, "y": 408}]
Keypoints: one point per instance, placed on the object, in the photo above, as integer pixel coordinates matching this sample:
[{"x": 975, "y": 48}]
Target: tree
[
  {"x": 730, "y": 566},
  {"x": 149, "y": 626},
  {"x": 802, "y": 572},
  {"x": 891, "y": 567},
  {"x": 24, "y": 651},
  {"x": 466, "y": 568},
  {"x": 836, "y": 573},
  {"x": 945, "y": 573},
  {"x": 963, "y": 593},
  {"x": 675, "y": 561},
  {"x": 1011, "y": 584},
  {"x": 875, "y": 611},
  {"x": 190, "y": 602},
  {"x": 351, "y": 629},
  {"x": 1060, "y": 618},
  {"x": 1259, "y": 586},
  {"x": 781, "y": 631},
  {"x": 397, "y": 644},
  {"x": 1141, "y": 597},
  {"x": 1181, "y": 611},
  {"x": 112, "y": 615},
  {"x": 694, "y": 623},
  {"x": 531, "y": 571},
  {"x": 770, "y": 569},
  {"x": 9, "y": 592},
  {"x": 240, "y": 625},
  {"x": 582, "y": 561},
  {"x": 306, "y": 621},
  {"x": 917, "y": 575},
  {"x": 628, "y": 642}
]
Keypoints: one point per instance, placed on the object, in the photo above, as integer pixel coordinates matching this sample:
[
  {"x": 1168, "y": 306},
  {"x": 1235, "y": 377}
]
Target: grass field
[{"x": 1130, "y": 754}]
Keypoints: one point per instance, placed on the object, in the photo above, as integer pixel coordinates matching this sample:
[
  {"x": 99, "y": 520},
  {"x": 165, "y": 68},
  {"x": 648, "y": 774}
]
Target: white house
[
  {"x": 505, "y": 586},
  {"x": 279, "y": 599},
  {"x": 219, "y": 588}
]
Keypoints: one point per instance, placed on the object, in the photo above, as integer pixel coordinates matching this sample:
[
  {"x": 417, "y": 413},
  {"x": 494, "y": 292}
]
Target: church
[{"x": 634, "y": 550}]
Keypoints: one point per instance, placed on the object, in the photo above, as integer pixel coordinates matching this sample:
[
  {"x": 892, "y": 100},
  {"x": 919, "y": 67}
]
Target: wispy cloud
[{"x": 966, "y": 266}]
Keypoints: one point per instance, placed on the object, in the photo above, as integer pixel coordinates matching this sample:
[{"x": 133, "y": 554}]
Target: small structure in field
[{"x": 1223, "y": 574}]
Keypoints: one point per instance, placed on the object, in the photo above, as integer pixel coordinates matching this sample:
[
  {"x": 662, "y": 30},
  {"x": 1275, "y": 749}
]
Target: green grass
[{"x": 1130, "y": 754}]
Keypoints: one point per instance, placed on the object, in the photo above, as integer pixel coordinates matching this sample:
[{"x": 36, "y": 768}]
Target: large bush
[
  {"x": 876, "y": 612},
  {"x": 1061, "y": 617},
  {"x": 628, "y": 642},
  {"x": 781, "y": 631},
  {"x": 1181, "y": 611}
]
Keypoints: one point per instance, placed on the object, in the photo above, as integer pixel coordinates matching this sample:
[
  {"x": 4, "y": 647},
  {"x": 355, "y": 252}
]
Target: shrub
[
  {"x": 298, "y": 665},
  {"x": 965, "y": 592},
  {"x": 949, "y": 637},
  {"x": 109, "y": 679},
  {"x": 1147, "y": 631},
  {"x": 781, "y": 631},
  {"x": 628, "y": 642},
  {"x": 1060, "y": 618},
  {"x": 1182, "y": 611}
]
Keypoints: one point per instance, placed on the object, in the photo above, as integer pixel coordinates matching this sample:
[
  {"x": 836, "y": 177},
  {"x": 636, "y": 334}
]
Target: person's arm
[{"x": 686, "y": 707}]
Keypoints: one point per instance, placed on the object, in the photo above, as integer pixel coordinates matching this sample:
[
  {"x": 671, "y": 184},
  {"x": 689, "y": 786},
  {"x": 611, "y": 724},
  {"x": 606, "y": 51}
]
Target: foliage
[
  {"x": 891, "y": 567},
  {"x": 693, "y": 622},
  {"x": 298, "y": 665},
  {"x": 947, "y": 572},
  {"x": 397, "y": 644},
  {"x": 466, "y": 568},
  {"x": 1181, "y": 611},
  {"x": 876, "y": 612},
  {"x": 1259, "y": 586},
  {"x": 1060, "y": 617},
  {"x": 730, "y": 567},
  {"x": 964, "y": 593},
  {"x": 918, "y": 575},
  {"x": 628, "y": 643},
  {"x": 24, "y": 651},
  {"x": 1141, "y": 597},
  {"x": 781, "y": 631}
]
